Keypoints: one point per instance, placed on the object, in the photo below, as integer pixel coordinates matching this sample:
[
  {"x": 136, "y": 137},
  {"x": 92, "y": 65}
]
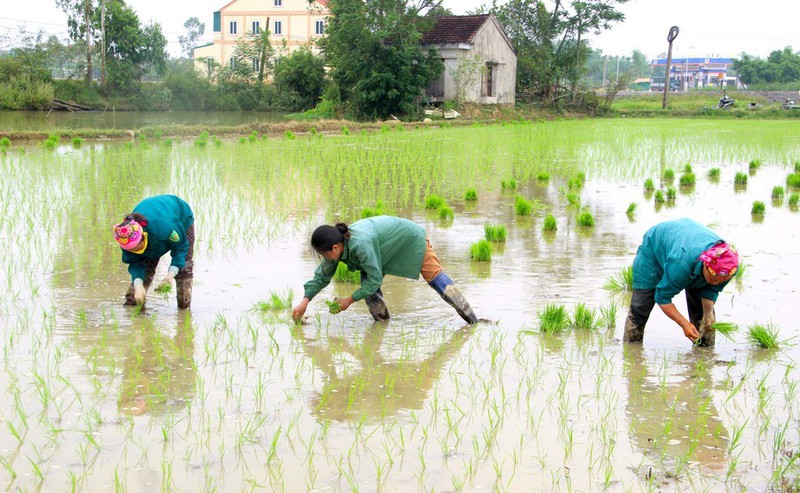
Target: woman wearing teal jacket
[
  {"x": 675, "y": 256},
  {"x": 157, "y": 225},
  {"x": 378, "y": 246}
]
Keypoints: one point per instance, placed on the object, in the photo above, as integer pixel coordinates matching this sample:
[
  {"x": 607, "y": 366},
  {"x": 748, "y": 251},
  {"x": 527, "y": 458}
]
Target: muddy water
[{"x": 226, "y": 397}]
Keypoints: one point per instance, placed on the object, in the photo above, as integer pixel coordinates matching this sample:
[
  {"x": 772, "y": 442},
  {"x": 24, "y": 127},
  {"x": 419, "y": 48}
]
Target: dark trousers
[
  {"x": 642, "y": 303},
  {"x": 183, "y": 279}
]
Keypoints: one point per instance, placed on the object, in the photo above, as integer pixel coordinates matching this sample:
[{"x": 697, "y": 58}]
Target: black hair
[
  {"x": 134, "y": 216},
  {"x": 325, "y": 236}
]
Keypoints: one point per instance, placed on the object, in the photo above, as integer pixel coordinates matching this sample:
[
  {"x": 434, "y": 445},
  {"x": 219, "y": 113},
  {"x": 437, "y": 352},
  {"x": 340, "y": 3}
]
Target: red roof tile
[{"x": 454, "y": 29}]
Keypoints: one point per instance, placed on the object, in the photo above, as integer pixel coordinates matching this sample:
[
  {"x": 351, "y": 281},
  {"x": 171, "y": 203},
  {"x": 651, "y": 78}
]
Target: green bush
[{"x": 24, "y": 93}]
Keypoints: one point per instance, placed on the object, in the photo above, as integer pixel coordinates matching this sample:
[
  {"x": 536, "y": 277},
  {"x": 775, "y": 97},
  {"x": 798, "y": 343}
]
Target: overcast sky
[{"x": 707, "y": 27}]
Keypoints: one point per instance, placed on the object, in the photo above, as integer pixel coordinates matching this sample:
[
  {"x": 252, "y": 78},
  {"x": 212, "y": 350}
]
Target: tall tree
[
  {"x": 79, "y": 24},
  {"x": 194, "y": 30},
  {"x": 373, "y": 49}
]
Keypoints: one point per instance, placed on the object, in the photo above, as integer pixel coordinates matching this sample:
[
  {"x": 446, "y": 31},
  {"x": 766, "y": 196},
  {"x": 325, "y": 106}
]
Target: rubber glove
[
  {"x": 171, "y": 273},
  {"x": 139, "y": 293}
]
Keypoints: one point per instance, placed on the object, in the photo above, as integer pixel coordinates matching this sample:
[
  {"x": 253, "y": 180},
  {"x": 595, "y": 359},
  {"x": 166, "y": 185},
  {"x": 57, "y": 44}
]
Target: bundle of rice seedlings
[
  {"x": 725, "y": 329},
  {"x": 765, "y": 336}
]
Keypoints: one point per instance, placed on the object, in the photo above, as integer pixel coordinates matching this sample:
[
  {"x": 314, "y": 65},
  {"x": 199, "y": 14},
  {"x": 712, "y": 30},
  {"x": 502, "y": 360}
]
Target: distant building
[
  {"x": 292, "y": 24},
  {"x": 693, "y": 73},
  {"x": 480, "y": 64}
]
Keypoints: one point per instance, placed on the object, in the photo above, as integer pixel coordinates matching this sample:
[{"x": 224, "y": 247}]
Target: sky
[{"x": 723, "y": 28}]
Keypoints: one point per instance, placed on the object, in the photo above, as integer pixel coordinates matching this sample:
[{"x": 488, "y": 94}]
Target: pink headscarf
[
  {"x": 128, "y": 234},
  {"x": 722, "y": 260}
]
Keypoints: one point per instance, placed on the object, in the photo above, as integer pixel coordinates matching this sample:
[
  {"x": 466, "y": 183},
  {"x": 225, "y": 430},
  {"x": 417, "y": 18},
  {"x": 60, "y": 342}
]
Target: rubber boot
[
  {"x": 184, "y": 292},
  {"x": 642, "y": 303},
  {"x": 377, "y": 307},
  {"x": 633, "y": 331},
  {"x": 443, "y": 285},
  {"x": 708, "y": 338}
]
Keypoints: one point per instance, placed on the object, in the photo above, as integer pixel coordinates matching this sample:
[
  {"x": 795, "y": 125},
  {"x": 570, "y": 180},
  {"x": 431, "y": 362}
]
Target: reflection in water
[
  {"x": 674, "y": 421},
  {"x": 159, "y": 373},
  {"x": 373, "y": 386}
]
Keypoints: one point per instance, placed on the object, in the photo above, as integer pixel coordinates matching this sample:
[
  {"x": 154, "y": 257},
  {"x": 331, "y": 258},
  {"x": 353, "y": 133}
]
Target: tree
[
  {"x": 373, "y": 48},
  {"x": 79, "y": 24},
  {"x": 780, "y": 67},
  {"x": 301, "y": 74},
  {"x": 194, "y": 30}
]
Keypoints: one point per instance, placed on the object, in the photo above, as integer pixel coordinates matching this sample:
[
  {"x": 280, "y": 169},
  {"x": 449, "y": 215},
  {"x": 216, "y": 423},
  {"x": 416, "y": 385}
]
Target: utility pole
[
  {"x": 103, "y": 40},
  {"x": 617, "y": 68},
  {"x": 673, "y": 33},
  {"x": 605, "y": 66},
  {"x": 87, "y": 19}
]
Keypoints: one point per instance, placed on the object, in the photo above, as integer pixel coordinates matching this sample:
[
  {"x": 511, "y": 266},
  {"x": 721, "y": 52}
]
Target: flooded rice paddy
[{"x": 231, "y": 396}]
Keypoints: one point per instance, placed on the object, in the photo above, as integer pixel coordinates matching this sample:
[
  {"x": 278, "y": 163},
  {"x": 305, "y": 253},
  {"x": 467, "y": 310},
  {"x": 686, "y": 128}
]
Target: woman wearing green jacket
[
  {"x": 378, "y": 246},
  {"x": 157, "y": 225},
  {"x": 675, "y": 256}
]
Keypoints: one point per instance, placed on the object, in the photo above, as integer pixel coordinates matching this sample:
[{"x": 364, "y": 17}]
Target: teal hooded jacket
[{"x": 668, "y": 260}]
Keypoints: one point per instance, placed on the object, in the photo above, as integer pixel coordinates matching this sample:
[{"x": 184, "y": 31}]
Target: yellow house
[{"x": 292, "y": 24}]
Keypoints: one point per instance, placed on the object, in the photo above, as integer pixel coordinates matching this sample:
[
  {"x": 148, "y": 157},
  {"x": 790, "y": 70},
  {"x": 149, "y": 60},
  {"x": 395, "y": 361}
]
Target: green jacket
[
  {"x": 168, "y": 218},
  {"x": 377, "y": 246},
  {"x": 667, "y": 260}
]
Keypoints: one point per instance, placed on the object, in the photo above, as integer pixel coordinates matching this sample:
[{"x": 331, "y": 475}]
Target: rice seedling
[
  {"x": 621, "y": 282},
  {"x": 584, "y": 317},
  {"x": 243, "y": 140},
  {"x": 345, "y": 275},
  {"x": 754, "y": 164},
  {"x": 445, "y": 212},
  {"x": 471, "y": 195},
  {"x": 543, "y": 176},
  {"x": 202, "y": 139},
  {"x": 276, "y": 301},
  {"x": 672, "y": 194},
  {"x": 668, "y": 175},
  {"x": 687, "y": 180},
  {"x": 5, "y": 143},
  {"x": 659, "y": 197},
  {"x": 550, "y": 223},
  {"x": 481, "y": 251},
  {"x": 713, "y": 174},
  {"x": 51, "y": 142},
  {"x": 585, "y": 219},
  {"x": 608, "y": 315},
  {"x": 333, "y": 307},
  {"x": 797, "y": 167},
  {"x": 763, "y": 335},
  {"x": 793, "y": 180},
  {"x": 433, "y": 202},
  {"x": 759, "y": 209},
  {"x": 577, "y": 181},
  {"x": 289, "y": 135},
  {"x": 553, "y": 319},
  {"x": 777, "y": 192},
  {"x": 495, "y": 233},
  {"x": 740, "y": 178},
  {"x": 508, "y": 185},
  {"x": 631, "y": 210},
  {"x": 726, "y": 329},
  {"x": 687, "y": 168},
  {"x": 522, "y": 206},
  {"x": 378, "y": 210},
  {"x": 574, "y": 199},
  {"x": 77, "y": 142},
  {"x": 163, "y": 288},
  {"x": 794, "y": 198},
  {"x": 648, "y": 185},
  {"x": 345, "y": 130}
]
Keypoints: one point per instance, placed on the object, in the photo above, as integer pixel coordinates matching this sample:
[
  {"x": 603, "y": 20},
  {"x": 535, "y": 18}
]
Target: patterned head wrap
[{"x": 721, "y": 260}]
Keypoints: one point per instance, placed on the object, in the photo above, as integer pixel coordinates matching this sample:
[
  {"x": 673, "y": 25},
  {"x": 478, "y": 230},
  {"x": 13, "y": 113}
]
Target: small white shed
[{"x": 480, "y": 64}]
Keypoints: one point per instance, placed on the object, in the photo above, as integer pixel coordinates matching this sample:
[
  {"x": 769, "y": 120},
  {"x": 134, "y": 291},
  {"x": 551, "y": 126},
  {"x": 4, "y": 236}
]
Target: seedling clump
[
  {"x": 777, "y": 192},
  {"x": 793, "y": 180},
  {"x": 508, "y": 184},
  {"x": 522, "y": 206},
  {"x": 687, "y": 180},
  {"x": 495, "y": 233},
  {"x": 445, "y": 212},
  {"x": 713, "y": 174},
  {"x": 727, "y": 329},
  {"x": 577, "y": 181},
  {"x": 668, "y": 175},
  {"x": 543, "y": 176},
  {"x": 631, "y": 209},
  {"x": 740, "y": 178},
  {"x": 433, "y": 202},
  {"x": 333, "y": 307},
  {"x": 481, "y": 251},
  {"x": 672, "y": 193},
  {"x": 378, "y": 210},
  {"x": 659, "y": 197},
  {"x": 471, "y": 195},
  {"x": 648, "y": 185},
  {"x": 586, "y": 219},
  {"x": 553, "y": 319},
  {"x": 620, "y": 282},
  {"x": 550, "y": 223},
  {"x": 584, "y": 317},
  {"x": 344, "y": 274},
  {"x": 794, "y": 199},
  {"x": 755, "y": 164},
  {"x": 765, "y": 336},
  {"x": 759, "y": 209}
]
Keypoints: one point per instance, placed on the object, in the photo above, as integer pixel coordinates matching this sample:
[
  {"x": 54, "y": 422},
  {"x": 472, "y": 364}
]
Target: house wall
[
  {"x": 467, "y": 60},
  {"x": 297, "y": 28}
]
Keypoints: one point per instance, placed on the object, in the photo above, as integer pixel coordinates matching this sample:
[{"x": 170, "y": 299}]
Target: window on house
[
  {"x": 256, "y": 27},
  {"x": 255, "y": 64},
  {"x": 279, "y": 3},
  {"x": 278, "y": 31},
  {"x": 232, "y": 27},
  {"x": 319, "y": 28},
  {"x": 487, "y": 84}
]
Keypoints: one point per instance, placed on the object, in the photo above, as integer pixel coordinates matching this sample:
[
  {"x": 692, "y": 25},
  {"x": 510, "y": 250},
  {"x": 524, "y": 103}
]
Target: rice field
[{"x": 232, "y": 396}]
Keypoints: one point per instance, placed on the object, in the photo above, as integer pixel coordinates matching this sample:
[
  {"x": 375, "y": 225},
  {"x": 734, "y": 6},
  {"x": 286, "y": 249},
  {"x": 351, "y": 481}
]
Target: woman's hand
[
  {"x": 300, "y": 310},
  {"x": 345, "y": 303},
  {"x": 690, "y": 331}
]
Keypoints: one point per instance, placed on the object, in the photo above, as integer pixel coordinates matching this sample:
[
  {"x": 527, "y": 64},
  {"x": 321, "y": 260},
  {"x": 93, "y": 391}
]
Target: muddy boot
[
  {"x": 708, "y": 336},
  {"x": 633, "y": 331},
  {"x": 443, "y": 285},
  {"x": 377, "y": 307},
  {"x": 184, "y": 292}
]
